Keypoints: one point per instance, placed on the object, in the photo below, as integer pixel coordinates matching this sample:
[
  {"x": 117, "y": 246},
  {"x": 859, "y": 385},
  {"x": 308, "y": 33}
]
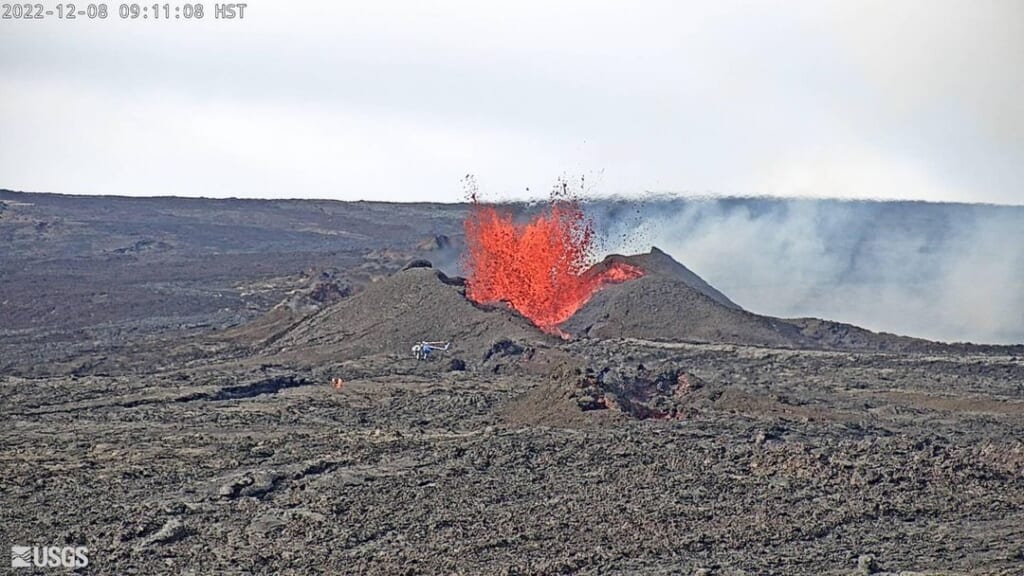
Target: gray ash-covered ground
[{"x": 294, "y": 433}]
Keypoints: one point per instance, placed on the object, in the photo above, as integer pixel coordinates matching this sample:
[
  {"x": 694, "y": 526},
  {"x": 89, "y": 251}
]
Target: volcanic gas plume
[{"x": 542, "y": 267}]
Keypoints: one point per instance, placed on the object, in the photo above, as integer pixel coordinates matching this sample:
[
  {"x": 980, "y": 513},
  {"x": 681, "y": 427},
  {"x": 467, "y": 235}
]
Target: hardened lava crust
[{"x": 226, "y": 387}]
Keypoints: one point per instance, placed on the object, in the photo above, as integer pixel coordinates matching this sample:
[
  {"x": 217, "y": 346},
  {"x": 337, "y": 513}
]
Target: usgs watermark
[{"x": 49, "y": 556}]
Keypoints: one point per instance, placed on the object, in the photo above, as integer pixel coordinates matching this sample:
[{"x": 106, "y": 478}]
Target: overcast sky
[{"x": 398, "y": 100}]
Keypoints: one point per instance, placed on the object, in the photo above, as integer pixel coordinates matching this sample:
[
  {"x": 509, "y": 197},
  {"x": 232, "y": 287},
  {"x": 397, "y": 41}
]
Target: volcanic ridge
[
  {"x": 416, "y": 304},
  {"x": 668, "y": 303}
]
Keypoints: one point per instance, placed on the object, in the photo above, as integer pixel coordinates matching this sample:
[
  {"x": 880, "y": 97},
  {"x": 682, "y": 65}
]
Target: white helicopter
[{"x": 424, "y": 349}]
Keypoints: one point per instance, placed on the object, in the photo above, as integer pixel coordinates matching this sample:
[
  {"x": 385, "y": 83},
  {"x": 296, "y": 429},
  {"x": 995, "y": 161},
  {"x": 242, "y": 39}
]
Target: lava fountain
[{"x": 542, "y": 267}]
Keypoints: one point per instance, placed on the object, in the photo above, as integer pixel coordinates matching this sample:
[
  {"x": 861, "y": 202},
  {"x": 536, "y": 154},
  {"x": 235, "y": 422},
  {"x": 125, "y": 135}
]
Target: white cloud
[
  {"x": 396, "y": 100},
  {"x": 857, "y": 174}
]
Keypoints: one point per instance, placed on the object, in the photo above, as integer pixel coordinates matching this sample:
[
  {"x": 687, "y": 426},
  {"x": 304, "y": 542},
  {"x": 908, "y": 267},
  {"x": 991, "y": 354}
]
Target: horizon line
[{"x": 647, "y": 196}]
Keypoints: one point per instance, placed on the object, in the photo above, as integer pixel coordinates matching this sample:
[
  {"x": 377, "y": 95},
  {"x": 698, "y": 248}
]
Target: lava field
[{"x": 227, "y": 387}]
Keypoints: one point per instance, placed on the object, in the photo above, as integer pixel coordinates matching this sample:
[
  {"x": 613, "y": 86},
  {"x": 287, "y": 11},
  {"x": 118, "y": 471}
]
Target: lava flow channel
[{"x": 541, "y": 267}]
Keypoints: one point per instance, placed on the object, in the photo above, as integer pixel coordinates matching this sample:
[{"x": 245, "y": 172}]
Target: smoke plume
[{"x": 950, "y": 272}]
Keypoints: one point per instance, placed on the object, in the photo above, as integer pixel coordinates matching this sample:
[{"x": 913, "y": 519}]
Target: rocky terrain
[{"x": 226, "y": 387}]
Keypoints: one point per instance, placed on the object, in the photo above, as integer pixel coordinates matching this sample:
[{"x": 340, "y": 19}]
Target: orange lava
[{"x": 541, "y": 267}]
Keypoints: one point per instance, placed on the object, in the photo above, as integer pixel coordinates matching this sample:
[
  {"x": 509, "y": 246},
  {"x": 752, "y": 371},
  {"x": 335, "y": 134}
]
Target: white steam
[{"x": 940, "y": 271}]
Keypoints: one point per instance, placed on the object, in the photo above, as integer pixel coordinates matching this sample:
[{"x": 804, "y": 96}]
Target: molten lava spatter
[{"x": 541, "y": 268}]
